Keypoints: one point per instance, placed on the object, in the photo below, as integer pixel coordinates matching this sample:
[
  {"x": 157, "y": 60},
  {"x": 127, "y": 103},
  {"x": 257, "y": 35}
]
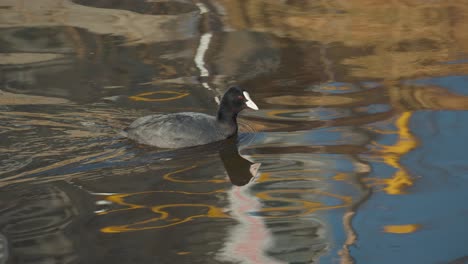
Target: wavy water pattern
[{"x": 357, "y": 147}]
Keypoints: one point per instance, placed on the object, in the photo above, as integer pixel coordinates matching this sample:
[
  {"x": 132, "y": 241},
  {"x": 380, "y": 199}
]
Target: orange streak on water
[
  {"x": 401, "y": 229},
  {"x": 392, "y": 155},
  {"x": 405, "y": 144},
  {"x": 340, "y": 177},
  {"x": 264, "y": 176},
  {"x": 306, "y": 207},
  {"x": 168, "y": 176},
  {"x": 142, "y": 96},
  {"x": 213, "y": 212}
]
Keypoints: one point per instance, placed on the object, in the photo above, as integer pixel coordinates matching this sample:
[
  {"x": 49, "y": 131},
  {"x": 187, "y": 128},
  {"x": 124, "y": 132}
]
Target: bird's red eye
[{"x": 240, "y": 97}]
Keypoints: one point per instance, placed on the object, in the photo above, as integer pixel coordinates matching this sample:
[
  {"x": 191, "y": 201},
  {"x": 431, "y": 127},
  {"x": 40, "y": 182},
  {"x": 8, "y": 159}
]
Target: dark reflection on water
[
  {"x": 355, "y": 156},
  {"x": 239, "y": 170}
]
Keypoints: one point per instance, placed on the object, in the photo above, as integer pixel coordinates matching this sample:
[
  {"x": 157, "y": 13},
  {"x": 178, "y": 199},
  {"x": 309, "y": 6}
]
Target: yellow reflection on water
[
  {"x": 304, "y": 206},
  {"x": 266, "y": 176},
  {"x": 168, "y": 176},
  {"x": 401, "y": 229},
  {"x": 172, "y": 95},
  {"x": 310, "y": 100},
  {"x": 120, "y": 199},
  {"x": 162, "y": 216},
  {"x": 213, "y": 212},
  {"x": 392, "y": 155},
  {"x": 340, "y": 177}
]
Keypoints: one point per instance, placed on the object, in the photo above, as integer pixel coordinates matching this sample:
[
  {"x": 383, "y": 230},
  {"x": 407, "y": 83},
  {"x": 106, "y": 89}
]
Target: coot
[{"x": 186, "y": 129}]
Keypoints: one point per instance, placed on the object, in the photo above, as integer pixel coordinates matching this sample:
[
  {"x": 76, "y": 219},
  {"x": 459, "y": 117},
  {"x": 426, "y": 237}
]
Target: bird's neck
[{"x": 227, "y": 117}]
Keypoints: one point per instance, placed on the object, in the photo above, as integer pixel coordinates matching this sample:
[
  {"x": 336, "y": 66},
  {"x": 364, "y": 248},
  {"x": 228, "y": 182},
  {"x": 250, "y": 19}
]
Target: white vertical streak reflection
[
  {"x": 249, "y": 239},
  {"x": 203, "y": 46},
  {"x": 203, "y": 8},
  {"x": 199, "y": 56}
]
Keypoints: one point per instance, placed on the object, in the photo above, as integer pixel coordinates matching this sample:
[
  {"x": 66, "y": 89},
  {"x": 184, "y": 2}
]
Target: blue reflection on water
[{"x": 436, "y": 201}]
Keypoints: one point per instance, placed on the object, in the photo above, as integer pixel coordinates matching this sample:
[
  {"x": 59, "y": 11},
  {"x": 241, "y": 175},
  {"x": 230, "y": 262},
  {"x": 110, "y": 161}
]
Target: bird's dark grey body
[
  {"x": 187, "y": 129},
  {"x": 178, "y": 130}
]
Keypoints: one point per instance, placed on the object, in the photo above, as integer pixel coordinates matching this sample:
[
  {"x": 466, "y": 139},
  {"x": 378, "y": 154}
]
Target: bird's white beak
[{"x": 249, "y": 102}]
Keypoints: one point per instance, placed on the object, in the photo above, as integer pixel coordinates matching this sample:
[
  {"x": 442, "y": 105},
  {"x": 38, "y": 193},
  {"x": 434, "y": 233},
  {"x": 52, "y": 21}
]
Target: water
[{"x": 357, "y": 154}]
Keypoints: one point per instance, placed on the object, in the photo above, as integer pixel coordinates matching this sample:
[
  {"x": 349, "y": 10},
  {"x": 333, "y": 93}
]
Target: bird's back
[{"x": 177, "y": 130}]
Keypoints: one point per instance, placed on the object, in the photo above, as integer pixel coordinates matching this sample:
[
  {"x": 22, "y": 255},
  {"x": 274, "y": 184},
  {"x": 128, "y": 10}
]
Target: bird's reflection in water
[
  {"x": 239, "y": 170},
  {"x": 248, "y": 240}
]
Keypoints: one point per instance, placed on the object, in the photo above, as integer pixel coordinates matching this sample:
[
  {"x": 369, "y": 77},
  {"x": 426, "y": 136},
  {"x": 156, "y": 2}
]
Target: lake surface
[{"x": 358, "y": 153}]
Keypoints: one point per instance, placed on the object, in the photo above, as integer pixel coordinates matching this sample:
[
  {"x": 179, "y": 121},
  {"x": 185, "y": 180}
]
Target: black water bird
[{"x": 187, "y": 129}]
